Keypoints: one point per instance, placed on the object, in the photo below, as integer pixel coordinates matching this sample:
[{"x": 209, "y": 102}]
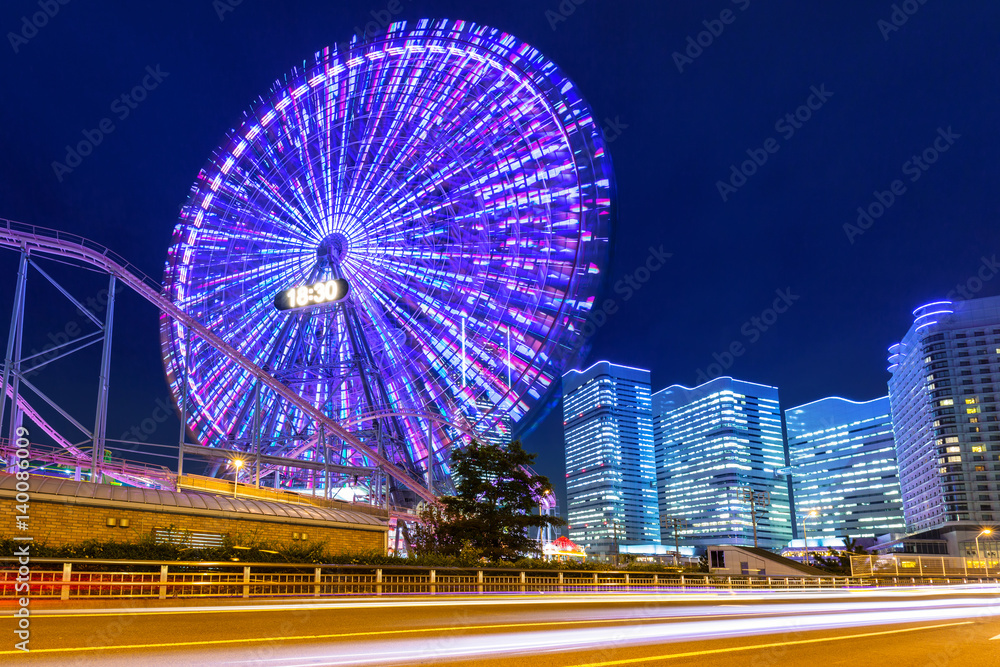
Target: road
[{"x": 900, "y": 627}]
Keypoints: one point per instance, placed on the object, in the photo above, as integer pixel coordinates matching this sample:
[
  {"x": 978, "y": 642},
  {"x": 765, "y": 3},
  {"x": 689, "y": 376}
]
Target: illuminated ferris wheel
[{"x": 409, "y": 233}]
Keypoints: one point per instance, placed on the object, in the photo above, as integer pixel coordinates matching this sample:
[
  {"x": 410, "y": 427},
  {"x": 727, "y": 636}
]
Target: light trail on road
[{"x": 491, "y": 629}]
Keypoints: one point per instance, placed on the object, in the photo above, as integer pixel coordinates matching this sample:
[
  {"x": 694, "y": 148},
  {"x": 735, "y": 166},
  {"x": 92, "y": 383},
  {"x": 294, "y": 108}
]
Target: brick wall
[{"x": 69, "y": 522}]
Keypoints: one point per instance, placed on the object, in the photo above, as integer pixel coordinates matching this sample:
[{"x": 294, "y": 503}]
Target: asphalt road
[{"x": 903, "y": 627}]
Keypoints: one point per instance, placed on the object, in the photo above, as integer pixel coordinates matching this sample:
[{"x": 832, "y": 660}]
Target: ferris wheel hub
[{"x": 332, "y": 249}]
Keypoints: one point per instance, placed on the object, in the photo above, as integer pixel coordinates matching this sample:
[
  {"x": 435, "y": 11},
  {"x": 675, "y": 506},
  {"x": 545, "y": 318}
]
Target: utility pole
[
  {"x": 756, "y": 499},
  {"x": 676, "y": 523}
]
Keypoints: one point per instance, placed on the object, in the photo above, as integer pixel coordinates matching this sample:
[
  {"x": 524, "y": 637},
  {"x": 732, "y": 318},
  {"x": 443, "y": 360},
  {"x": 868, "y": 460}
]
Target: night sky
[{"x": 885, "y": 83}]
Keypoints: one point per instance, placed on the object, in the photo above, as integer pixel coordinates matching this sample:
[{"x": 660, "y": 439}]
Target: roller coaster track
[{"x": 54, "y": 243}]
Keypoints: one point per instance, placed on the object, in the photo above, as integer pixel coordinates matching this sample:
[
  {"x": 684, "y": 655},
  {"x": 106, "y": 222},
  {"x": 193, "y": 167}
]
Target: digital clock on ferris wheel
[{"x": 317, "y": 294}]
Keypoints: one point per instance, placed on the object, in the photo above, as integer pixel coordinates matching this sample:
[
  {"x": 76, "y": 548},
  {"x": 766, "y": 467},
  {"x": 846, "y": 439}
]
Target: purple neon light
[
  {"x": 932, "y": 303},
  {"x": 467, "y": 175}
]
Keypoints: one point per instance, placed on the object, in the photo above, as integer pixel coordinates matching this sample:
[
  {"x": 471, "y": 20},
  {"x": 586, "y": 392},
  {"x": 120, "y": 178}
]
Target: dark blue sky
[{"x": 887, "y": 94}]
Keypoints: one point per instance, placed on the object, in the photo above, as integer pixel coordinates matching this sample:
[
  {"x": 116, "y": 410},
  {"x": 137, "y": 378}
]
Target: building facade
[
  {"x": 714, "y": 444},
  {"x": 610, "y": 475},
  {"x": 843, "y": 467},
  {"x": 943, "y": 392},
  {"x": 494, "y": 427}
]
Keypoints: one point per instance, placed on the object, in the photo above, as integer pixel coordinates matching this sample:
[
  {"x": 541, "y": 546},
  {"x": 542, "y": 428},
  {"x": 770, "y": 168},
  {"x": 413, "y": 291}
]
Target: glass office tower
[
  {"x": 843, "y": 466},
  {"x": 713, "y": 443},
  {"x": 610, "y": 476},
  {"x": 493, "y": 429},
  {"x": 943, "y": 391}
]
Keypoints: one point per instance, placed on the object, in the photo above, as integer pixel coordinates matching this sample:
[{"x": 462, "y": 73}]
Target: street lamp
[
  {"x": 805, "y": 532},
  {"x": 237, "y": 463},
  {"x": 986, "y": 531}
]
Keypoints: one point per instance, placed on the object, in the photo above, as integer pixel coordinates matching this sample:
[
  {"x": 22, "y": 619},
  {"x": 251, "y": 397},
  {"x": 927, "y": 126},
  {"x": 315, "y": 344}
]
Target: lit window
[
  {"x": 954, "y": 459},
  {"x": 947, "y": 401},
  {"x": 952, "y": 450},
  {"x": 979, "y": 448},
  {"x": 971, "y": 401}
]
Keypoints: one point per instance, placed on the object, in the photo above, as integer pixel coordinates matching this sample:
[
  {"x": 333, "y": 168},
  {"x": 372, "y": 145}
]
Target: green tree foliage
[
  {"x": 491, "y": 515},
  {"x": 839, "y": 562}
]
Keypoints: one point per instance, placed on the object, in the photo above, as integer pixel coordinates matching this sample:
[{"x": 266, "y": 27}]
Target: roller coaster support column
[
  {"x": 101, "y": 419},
  {"x": 12, "y": 363}
]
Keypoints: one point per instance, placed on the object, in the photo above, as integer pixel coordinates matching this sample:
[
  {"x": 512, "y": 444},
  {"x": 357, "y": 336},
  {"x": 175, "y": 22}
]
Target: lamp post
[
  {"x": 986, "y": 531},
  {"x": 676, "y": 523},
  {"x": 237, "y": 463},
  {"x": 757, "y": 499},
  {"x": 805, "y": 532},
  {"x": 541, "y": 525}
]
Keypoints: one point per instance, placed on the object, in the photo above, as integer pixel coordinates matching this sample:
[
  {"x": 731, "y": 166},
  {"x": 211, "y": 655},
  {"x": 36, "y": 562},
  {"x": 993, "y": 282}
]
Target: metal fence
[
  {"x": 77, "y": 579},
  {"x": 912, "y": 565}
]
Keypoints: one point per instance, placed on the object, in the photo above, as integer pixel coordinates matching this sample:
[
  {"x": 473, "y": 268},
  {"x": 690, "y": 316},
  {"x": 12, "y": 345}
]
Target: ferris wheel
[{"x": 409, "y": 233}]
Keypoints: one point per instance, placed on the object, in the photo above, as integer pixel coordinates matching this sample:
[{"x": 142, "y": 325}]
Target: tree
[
  {"x": 492, "y": 509},
  {"x": 839, "y": 562}
]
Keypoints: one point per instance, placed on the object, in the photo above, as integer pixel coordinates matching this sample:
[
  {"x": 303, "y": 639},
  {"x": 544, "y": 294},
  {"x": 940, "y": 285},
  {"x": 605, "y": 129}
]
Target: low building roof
[{"x": 68, "y": 490}]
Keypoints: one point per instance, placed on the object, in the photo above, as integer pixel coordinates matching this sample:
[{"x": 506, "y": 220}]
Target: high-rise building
[
  {"x": 715, "y": 444},
  {"x": 494, "y": 428},
  {"x": 843, "y": 467},
  {"x": 943, "y": 391},
  {"x": 610, "y": 475}
]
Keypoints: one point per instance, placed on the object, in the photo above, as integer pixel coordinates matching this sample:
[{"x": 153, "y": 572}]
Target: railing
[
  {"x": 21, "y": 229},
  {"x": 912, "y": 565},
  {"x": 75, "y": 579},
  {"x": 111, "y": 466}
]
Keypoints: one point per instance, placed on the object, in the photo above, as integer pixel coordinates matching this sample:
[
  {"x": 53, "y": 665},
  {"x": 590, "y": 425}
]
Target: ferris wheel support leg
[
  {"x": 430, "y": 456},
  {"x": 256, "y": 433},
  {"x": 12, "y": 362},
  {"x": 326, "y": 461},
  {"x": 101, "y": 418},
  {"x": 184, "y": 402}
]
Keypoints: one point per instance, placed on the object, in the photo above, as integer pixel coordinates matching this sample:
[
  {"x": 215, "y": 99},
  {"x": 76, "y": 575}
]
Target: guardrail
[
  {"x": 60, "y": 457},
  {"x": 910, "y": 565},
  {"x": 67, "y": 579}
]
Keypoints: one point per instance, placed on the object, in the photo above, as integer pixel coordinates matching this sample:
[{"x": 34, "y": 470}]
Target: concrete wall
[
  {"x": 71, "y": 521},
  {"x": 736, "y": 558}
]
